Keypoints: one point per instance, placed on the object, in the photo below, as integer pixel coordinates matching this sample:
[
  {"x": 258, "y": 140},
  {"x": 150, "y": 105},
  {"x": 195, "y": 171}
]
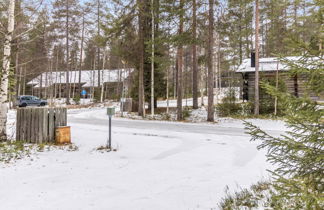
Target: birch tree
[{"x": 5, "y": 71}]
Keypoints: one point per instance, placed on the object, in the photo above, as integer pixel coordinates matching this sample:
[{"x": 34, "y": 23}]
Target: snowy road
[
  {"x": 98, "y": 117},
  {"x": 161, "y": 126},
  {"x": 158, "y": 165}
]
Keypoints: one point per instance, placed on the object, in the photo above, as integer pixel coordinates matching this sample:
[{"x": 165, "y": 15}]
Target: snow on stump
[
  {"x": 63, "y": 135},
  {"x": 37, "y": 124}
]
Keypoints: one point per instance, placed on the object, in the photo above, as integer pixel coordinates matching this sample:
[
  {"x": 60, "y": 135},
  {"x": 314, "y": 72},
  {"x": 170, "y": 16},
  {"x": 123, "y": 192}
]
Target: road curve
[{"x": 164, "y": 126}]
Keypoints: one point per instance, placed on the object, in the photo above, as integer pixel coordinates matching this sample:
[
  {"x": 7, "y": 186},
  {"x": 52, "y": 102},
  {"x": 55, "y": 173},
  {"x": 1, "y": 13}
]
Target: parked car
[{"x": 24, "y": 101}]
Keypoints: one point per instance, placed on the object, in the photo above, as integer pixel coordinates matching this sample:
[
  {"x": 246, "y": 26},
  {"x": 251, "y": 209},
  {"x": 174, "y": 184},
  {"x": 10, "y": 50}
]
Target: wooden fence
[{"x": 37, "y": 125}]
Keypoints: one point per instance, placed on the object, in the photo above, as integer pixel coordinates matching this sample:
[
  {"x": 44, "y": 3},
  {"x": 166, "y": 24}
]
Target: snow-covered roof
[
  {"x": 266, "y": 64},
  {"x": 89, "y": 78}
]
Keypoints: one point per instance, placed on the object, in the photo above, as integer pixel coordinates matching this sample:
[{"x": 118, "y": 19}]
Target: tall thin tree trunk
[
  {"x": 256, "y": 86},
  {"x": 51, "y": 82},
  {"x": 19, "y": 81},
  {"x": 98, "y": 47},
  {"x": 152, "y": 60},
  {"x": 277, "y": 84},
  {"x": 103, "y": 82},
  {"x": 210, "y": 114},
  {"x": 216, "y": 67},
  {"x": 81, "y": 53},
  {"x": 167, "y": 90},
  {"x": 141, "y": 100},
  {"x": 17, "y": 72},
  {"x": 194, "y": 57},
  {"x": 24, "y": 81},
  {"x": 202, "y": 87},
  {"x": 56, "y": 74},
  {"x": 4, "y": 82},
  {"x": 180, "y": 64},
  {"x": 67, "y": 90}
]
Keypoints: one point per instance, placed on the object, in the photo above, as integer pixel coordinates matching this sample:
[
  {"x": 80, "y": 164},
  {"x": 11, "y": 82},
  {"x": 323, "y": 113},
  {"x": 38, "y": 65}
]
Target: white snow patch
[{"x": 152, "y": 168}]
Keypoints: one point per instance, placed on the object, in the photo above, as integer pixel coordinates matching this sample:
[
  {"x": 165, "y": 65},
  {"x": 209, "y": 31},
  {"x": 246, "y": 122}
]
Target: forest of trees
[{"x": 188, "y": 45}]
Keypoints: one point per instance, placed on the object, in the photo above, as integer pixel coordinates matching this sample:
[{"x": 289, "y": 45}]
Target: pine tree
[
  {"x": 38, "y": 47},
  {"x": 298, "y": 154},
  {"x": 65, "y": 16}
]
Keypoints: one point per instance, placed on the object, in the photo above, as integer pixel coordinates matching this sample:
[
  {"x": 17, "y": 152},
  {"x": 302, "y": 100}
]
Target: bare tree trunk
[
  {"x": 167, "y": 90},
  {"x": 194, "y": 57},
  {"x": 202, "y": 88},
  {"x": 81, "y": 53},
  {"x": 93, "y": 79},
  {"x": 51, "y": 82},
  {"x": 180, "y": 64},
  {"x": 277, "y": 84},
  {"x": 17, "y": 72},
  {"x": 98, "y": 47},
  {"x": 141, "y": 100},
  {"x": 56, "y": 74},
  {"x": 256, "y": 86},
  {"x": 67, "y": 90},
  {"x": 5, "y": 71},
  {"x": 103, "y": 82},
  {"x": 46, "y": 83},
  {"x": 210, "y": 115},
  {"x": 152, "y": 60},
  {"x": 174, "y": 77},
  {"x": 19, "y": 81},
  {"x": 216, "y": 75},
  {"x": 24, "y": 81}
]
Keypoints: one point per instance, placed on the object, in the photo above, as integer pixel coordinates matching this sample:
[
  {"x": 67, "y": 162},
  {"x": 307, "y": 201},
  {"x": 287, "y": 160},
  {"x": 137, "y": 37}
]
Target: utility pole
[{"x": 256, "y": 86}]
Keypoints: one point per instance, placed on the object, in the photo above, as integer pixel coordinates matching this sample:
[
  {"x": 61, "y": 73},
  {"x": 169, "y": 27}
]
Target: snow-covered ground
[
  {"x": 157, "y": 165},
  {"x": 219, "y": 95}
]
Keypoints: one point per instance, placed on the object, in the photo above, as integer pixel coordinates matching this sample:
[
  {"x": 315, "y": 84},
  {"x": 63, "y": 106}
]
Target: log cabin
[{"x": 268, "y": 69}]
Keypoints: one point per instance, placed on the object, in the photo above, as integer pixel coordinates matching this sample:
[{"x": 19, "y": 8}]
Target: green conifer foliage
[{"x": 298, "y": 154}]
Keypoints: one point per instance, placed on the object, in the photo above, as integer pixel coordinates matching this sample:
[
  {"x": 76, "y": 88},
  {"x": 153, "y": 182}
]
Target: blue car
[{"x": 24, "y": 101}]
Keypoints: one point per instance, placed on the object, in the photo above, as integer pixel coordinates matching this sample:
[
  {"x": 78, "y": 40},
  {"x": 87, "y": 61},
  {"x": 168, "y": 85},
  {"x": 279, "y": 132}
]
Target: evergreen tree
[
  {"x": 65, "y": 24},
  {"x": 298, "y": 154}
]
